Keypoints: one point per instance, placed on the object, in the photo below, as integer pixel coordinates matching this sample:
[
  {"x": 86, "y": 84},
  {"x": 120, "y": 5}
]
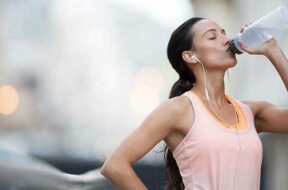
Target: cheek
[
  {"x": 218, "y": 59},
  {"x": 212, "y": 57},
  {"x": 209, "y": 53}
]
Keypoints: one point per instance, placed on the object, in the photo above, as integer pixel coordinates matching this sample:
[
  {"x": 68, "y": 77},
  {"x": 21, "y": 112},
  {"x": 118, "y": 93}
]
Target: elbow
[
  {"x": 104, "y": 170},
  {"x": 108, "y": 168},
  {"x": 111, "y": 168}
]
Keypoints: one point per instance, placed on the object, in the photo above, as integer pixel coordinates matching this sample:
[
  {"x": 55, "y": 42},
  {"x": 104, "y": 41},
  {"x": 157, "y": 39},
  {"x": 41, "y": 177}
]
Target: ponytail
[{"x": 181, "y": 40}]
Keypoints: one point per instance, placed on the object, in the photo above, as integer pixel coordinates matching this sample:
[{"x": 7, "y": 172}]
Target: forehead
[{"x": 202, "y": 26}]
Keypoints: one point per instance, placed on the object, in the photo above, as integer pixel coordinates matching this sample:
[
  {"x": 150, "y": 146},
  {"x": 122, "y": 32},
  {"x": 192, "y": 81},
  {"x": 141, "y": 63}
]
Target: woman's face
[{"x": 211, "y": 44}]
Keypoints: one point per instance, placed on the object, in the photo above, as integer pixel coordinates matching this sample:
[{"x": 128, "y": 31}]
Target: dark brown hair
[{"x": 180, "y": 40}]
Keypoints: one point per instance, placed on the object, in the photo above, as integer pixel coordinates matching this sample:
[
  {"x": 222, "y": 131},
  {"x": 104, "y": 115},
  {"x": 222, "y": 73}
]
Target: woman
[{"x": 212, "y": 140}]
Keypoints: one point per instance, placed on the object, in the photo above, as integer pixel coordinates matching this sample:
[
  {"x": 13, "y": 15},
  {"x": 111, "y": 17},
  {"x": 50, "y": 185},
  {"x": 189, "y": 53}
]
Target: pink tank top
[{"x": 209, "y": 156}]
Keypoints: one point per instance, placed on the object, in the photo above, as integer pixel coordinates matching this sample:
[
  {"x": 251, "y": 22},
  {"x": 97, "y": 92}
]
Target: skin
[{"x": 173, "y": 118}]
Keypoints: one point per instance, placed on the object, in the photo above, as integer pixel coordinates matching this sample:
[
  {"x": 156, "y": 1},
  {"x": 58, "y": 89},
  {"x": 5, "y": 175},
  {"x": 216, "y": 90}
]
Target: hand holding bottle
[
  {"x": 264, "y": 49},
  {"x": 262, "y": 31}
]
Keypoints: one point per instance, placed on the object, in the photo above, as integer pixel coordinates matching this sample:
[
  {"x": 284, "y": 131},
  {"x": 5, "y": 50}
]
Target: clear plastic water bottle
[{"x": 261, "y": 30}]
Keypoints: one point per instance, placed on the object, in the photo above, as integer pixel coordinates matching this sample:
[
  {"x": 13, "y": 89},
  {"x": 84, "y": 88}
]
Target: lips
[{"x": 228, "y": 49}]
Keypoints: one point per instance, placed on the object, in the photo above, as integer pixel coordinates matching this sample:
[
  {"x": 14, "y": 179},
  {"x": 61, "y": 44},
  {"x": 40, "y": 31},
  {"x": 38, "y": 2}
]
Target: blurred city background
[{"x": 77, "y": 76}]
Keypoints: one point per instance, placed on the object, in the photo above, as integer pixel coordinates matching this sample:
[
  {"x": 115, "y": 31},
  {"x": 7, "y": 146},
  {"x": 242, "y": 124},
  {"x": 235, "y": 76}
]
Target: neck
[{"x": 215, "y": 86}]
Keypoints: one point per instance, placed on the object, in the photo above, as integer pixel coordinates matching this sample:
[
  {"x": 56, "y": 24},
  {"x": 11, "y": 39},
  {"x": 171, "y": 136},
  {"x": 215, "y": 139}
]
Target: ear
[{"x": 187, "y": 57}]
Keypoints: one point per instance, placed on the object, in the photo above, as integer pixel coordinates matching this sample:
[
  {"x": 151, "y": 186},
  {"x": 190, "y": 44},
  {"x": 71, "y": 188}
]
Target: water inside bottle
[
  {"x": 261, "y": 30},
  {"x": 256, "y": 36}
]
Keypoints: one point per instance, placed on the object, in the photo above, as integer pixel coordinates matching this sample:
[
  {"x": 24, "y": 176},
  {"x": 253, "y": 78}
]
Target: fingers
[
  {"x": 242, "y": 45},
  {"x": 246, "y": 48}
]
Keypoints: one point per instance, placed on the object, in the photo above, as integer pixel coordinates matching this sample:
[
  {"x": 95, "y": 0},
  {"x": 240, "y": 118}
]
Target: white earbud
[
  {"x": 193, "y": 57},
  {"x": 205, "y": 85}
]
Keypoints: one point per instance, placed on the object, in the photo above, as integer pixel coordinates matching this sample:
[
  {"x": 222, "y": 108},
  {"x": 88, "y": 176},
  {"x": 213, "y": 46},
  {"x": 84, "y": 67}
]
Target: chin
[
  {"x": 230, "y": 64},
  {"x": 233, "y": 63}
]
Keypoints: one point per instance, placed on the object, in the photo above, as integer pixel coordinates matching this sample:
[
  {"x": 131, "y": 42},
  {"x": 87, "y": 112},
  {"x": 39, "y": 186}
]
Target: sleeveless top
[{"x": 214, "y": 157}]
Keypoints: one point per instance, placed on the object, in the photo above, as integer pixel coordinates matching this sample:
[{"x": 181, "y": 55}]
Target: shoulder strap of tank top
[
  {"x": 192, "y": 99},
  {"x": 247, "y": 110}
]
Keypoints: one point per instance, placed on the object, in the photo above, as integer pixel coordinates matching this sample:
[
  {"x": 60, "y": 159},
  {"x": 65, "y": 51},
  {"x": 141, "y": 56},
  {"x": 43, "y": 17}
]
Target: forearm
[
  {"x": 123, "y": 177},
  {"x": 280, "y": 62}
]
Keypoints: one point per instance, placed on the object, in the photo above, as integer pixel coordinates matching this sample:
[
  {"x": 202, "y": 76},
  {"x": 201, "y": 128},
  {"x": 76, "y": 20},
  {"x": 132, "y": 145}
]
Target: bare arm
[
  {"x": 269, "y": 117},
  {"x": 158, "y": 124},
  {"x": 276, "y": 56},
  {"x": 280, "y": 62}
]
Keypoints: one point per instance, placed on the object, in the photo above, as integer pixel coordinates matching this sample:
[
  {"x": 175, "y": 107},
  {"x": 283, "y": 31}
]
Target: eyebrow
[{"x": 214, "y": 30}]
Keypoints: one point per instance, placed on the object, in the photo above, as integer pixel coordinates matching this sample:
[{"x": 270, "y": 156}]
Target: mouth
[
  {"x": 228, "y": 50},
  {"x": 231, "y": 53},
  {"x": 229, "y": 47}
]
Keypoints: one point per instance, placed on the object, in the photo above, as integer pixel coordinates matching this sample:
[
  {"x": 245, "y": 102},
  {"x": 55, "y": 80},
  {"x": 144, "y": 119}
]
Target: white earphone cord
[
  {"x": 208, "y": 99},
  {"x": 236, "y": 118},
  {"x": 240, "y": 148}
]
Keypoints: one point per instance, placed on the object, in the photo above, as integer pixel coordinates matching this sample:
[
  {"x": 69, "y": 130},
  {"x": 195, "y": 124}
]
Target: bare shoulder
[
  {"x": 256, "y": 106},
  {"x": 161, "y": 122},
  {"x": 175, "y": 108},
  {"x": 178, "y": 104},
  {"x": 269, "y": 117},
  {"x": 184, "y": 112}
]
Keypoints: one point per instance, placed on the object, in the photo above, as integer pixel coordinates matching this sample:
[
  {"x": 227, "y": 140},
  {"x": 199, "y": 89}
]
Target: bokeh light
[
  {"x": 9, "y": 99},
  {"x": 145, "y": 95}
]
